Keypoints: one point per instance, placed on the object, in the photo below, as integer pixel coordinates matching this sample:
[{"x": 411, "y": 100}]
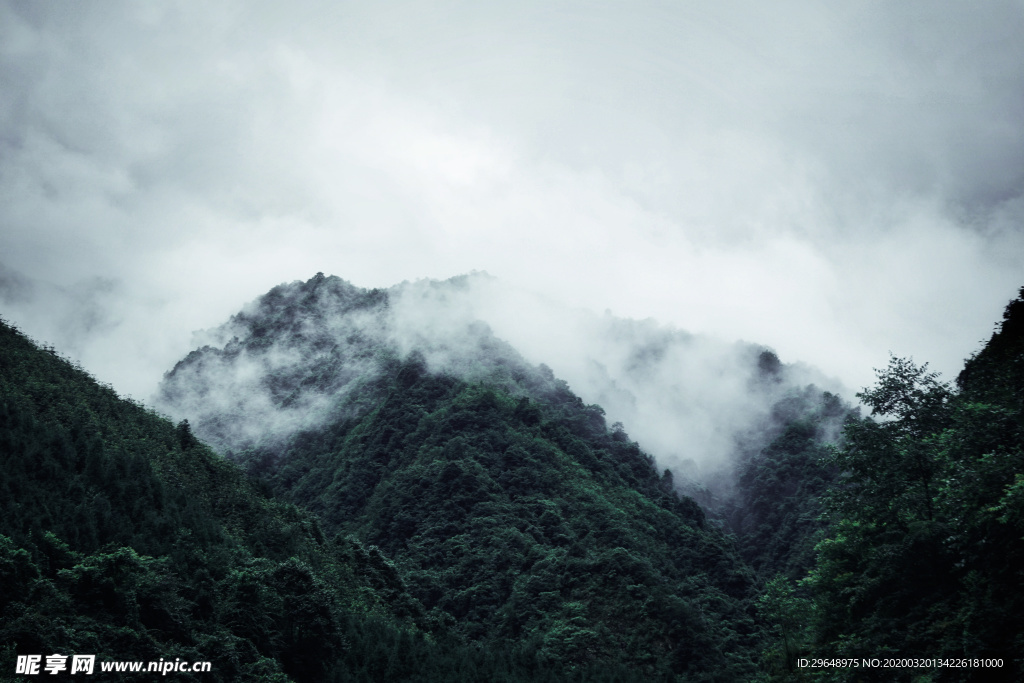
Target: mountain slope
[
  {"x": 687, "y": 398},
  {"x": 924, "y": 555},
  {"x": 514, "y": 513},
  {"x": 530, "y": 522},
  {"x": 122, "y": 535},
  {"x": 775, "y": 508}
]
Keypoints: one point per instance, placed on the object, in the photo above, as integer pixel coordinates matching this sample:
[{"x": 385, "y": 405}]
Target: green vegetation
[
  {"x": 122, "y": 536},
  {"x": 473, "y": 519},
  {"x": 528, "y": 522},
  {"x": 512, "y": 512},
  {"x": 925, "y": 552},
  {"x": 777, "y": 505},
  {"x": 920, "y": 548}
]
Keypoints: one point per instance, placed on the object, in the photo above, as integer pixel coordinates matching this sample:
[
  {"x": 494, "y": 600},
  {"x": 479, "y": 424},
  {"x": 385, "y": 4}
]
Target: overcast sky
[{"x": 834, "y": 180}]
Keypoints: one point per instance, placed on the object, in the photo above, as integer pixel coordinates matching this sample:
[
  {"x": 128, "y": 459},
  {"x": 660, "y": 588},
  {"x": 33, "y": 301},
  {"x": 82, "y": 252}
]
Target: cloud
[
  {"x": 686, "y": 398},
  {"x": 308, "y": 353},
  {"x": 833, "y": 181}
]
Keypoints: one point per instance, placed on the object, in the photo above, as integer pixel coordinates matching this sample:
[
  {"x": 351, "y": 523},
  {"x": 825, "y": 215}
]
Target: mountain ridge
[
  {"x": 452, "y": 440},
  {"x": 462, "y": 514}
]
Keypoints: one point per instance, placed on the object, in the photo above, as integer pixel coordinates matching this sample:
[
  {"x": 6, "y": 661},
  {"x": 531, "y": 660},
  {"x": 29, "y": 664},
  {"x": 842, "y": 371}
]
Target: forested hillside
[
  {"x": 524, "y": 521},
  {"x": 776, "y": 506},
  {"x": 924, "y": 556},
  {"x": 404, "y": 503},
  {"x": 516, "y": 515},
  {"x": 919, "y": 555},
  {"x": 123, "y": 536}
]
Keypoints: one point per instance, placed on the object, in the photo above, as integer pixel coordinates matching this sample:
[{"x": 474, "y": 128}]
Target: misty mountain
[
  {"x": 303, "y": 350},
  {"x": 308, "y": 354},
  {"x": 511, "y": 507},
  {"x": 123, "y": 536},
  {"x": 429, "y": 505}
]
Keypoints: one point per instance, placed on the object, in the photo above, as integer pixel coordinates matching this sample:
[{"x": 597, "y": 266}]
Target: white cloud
[{"x": 834, "y": 181}]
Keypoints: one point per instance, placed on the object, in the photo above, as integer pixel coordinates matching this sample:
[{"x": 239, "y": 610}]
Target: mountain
[
  {"x": 776, "y": 507},
  {"x": 511, "y": 508},
  {"x": 924, "y": 554},
  {"x": 689, "y": 399},
  {"x": 405, "y": 496},
  {"x": 124, "y": 536}
]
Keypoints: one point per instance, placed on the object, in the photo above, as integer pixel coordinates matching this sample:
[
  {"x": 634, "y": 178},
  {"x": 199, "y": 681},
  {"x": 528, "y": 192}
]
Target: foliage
[
  {"x": 483, "y": 523},
  {"x": 122, "y": 535},
  {"x": 500, "y": 501},
  {"x": 776, "y": 508},
  {"x": 789, "y": 616},
  {"x": 925, "y": 553},
  {"x": 524, "y": 520}
]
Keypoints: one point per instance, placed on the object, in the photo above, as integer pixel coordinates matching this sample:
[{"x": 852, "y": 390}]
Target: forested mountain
[
  {"x": 776, "y": 504},
  {"x": 405, "y": 497},
  {"x": 287, "y": 358},
  {"x": 123, "y": 536},
  {"x": 924, "y": 556},
  {"x": 514, "y": 512}
]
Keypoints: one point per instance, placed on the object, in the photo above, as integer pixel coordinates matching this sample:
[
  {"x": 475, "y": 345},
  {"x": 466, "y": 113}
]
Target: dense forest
[{"x": 418, "y": 508}]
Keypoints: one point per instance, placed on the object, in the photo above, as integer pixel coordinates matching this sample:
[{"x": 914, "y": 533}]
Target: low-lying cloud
[
  {"x": 307, "y": 354},
  {"x": 836, "y": 182},
  {"x": 687, "y": 398}
]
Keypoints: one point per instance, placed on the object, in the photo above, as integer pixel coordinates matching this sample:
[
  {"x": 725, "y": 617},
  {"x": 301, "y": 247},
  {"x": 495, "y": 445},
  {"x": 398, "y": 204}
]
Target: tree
[
  {"x": 889, "y": 467},
  {"x": 789, "y": 616},
  {"x": 924, "y": 551}
]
